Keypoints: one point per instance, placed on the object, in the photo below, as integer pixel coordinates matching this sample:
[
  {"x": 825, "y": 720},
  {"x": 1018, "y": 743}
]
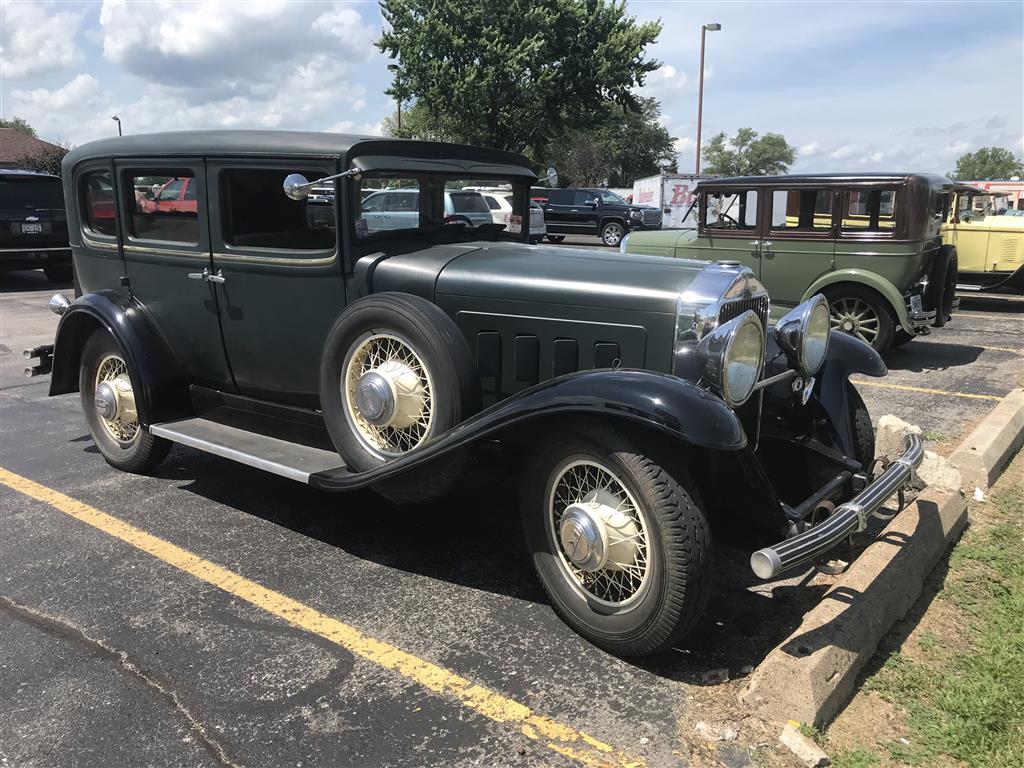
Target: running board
[{"x": 280, "y": 457}]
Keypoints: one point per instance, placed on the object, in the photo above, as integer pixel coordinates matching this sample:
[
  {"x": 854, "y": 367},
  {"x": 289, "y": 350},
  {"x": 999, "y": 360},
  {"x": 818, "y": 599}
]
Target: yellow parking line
[
  {"x": 905, "y": 388},
  {"x": 555, "y": 736},
  {"x": 993, "y": 316},
  {"x": 1019, "y": 351}
]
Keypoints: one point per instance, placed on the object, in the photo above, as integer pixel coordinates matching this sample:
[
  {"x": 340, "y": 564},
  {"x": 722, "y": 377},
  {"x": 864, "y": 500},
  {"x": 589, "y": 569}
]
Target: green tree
[
  {"x": 988, "y": 163},
  {"x": 514, "y": 74},
  {"x": 18, "y": 124},
  {"x": 745, "y": 154},
  {"x": 45, "y": 161}
]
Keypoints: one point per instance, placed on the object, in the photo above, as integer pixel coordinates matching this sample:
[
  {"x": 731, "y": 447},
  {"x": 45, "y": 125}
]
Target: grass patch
[
  {"x": 969, "y": 705},
  {"x": 855, "y": 758},
  {"x": 937, "y": 437}
]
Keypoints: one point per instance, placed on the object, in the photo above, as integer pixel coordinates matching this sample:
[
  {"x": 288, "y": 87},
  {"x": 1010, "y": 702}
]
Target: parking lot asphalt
[{"x": 211, "y": 614}]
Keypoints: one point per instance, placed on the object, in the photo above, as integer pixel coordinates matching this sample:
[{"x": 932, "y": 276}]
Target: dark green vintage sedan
[{"x": 640, "y": 402}]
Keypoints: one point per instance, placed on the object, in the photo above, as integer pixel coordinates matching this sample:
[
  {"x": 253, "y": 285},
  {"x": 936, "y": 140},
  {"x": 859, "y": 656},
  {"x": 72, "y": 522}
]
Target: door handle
[{"x": 207, "y": 277}]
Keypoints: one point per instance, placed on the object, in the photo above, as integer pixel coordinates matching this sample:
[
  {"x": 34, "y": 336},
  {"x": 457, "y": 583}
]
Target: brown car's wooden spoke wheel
[
  {"x": 617, "y": 538},
  {"x": 108, "y": 400},
  {"x": 396, "y": 373}
]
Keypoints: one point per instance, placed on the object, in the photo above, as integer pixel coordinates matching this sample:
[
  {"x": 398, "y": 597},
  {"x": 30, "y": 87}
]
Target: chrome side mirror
[{"x": 296, "y": 186}]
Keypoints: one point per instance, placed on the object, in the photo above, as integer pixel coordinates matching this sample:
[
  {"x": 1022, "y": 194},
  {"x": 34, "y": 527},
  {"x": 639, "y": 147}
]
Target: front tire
[
  {"x": 863, "y": 429},
  {"x": 861, "y": 313},
  {"x": 612, "y": 233},
  {"x": 121, "y": 440},
  {"x": 648, "y": 585}
]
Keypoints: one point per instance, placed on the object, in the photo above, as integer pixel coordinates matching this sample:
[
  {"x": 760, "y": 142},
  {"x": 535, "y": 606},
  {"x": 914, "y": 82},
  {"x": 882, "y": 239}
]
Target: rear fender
[
  {"x": 672, "y": 407},
  {"x": 160, "y": 390},
  {"x": 872, "y": 280}
]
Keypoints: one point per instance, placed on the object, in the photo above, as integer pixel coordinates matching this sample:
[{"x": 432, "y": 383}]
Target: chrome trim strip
[
  {"x": 205, "y": 256},
  {"x": 849, "y": 517},
  {"x": 36, "y": 250},
  {"x": 298, "y": 261}
]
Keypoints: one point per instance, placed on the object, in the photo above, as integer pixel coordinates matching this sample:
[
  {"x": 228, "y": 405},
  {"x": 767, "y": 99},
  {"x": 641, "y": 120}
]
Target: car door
[
  {"x": 559, "y": 211},
  {"x": 800, "y": 242},
  {"x": 373, "y": 215},
  {"x": 729, "y": 228},
  {"x": 278, "y": 276},
  {"x": 587, "y": 211},
  {"x": 166, "y": 252},
  {"x": 402, "y": 209}
]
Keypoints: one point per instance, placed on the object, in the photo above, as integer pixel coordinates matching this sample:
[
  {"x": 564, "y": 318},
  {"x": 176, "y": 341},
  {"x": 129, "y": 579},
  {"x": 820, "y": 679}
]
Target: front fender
[
  {"x": 871, "y": 280},
  {"x": 160, "y": 391},
  {"x": 676, "y": 408}
]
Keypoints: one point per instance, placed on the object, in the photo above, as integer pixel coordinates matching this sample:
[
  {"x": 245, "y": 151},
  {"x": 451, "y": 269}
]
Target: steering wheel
[{"x": 729, "y": 220}]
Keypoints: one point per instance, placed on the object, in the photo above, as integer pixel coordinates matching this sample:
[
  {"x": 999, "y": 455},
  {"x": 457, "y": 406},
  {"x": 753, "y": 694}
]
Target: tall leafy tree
[
  {"x": 18, "y": 124},
  {"x": 513, "y": 74},
  {"x": 748, "y": 154},
  {"x": 988, "y": 163}
]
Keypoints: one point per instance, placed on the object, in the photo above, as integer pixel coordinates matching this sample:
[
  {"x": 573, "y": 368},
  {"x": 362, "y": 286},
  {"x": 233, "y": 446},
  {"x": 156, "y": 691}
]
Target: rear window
[
  {"x": 32, "y": 193},
  {"x": 870, "y": 210},
  {"x": 165, "y": 206},
  {"x": 257, "y": 213},
  {"x": 98, "y": 195},
  {"x": 469, "y": 202}
]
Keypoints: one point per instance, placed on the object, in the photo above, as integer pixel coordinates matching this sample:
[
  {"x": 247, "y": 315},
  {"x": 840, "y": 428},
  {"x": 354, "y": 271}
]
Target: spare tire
[
  {"x": 942, "y": 285},
  {"x": 396, "y": 372}
]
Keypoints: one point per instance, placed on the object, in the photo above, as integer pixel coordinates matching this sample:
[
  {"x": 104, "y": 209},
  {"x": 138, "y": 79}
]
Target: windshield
[
  {"x": 31, "y": 193},
  {"x": 612, "y": 198},
  {"x": 396, "y": 204}
]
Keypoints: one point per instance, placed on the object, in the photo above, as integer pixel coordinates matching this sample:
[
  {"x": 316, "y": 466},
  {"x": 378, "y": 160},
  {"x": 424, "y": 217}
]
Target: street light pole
[
  {"x": 117, "y": 119},
  {"x": 705, "y": 28}
]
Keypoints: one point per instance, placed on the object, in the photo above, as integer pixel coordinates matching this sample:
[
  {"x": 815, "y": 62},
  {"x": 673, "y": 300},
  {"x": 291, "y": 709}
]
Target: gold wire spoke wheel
[
  {"x": 388, "y": 393},
  {"x": 856, "y": 317},
  {"x": 113, "y": 370},
  {"x": 600, "y": 533}
]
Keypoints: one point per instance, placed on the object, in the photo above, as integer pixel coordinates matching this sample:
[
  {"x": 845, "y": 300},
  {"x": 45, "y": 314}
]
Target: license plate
[{"x": 31, "y": 229}]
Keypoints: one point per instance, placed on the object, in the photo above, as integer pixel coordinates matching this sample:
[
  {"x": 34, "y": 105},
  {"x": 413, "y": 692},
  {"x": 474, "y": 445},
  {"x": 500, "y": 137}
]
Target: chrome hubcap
[
  {"x": 856, "y": 318},
  {"x": 387, "y": 391},
  {"x": 600, "y": 533},
  {"x": 114, "y": 399}
]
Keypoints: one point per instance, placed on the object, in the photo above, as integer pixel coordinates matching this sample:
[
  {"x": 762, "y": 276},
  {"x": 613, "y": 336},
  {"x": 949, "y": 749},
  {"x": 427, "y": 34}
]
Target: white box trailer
[{"x": 673, "y": 194}]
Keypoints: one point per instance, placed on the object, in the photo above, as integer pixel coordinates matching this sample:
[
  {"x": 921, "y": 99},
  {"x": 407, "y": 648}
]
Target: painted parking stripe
[
  {"x": 557, "y": 737},
  {"x": 923, "y": 390},
  {"x": 993, "y": 316}
]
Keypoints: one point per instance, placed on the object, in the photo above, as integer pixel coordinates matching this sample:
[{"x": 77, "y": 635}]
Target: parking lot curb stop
[
  {"x": 990, "y": 447},
  {"x": 812, "y": 673}
]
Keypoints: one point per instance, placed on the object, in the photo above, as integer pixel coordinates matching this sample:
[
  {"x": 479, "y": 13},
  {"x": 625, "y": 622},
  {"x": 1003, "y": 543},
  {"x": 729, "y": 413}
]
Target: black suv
[
  {"x": 33, "y": 225},
  {"x": 595, "y": 212}
]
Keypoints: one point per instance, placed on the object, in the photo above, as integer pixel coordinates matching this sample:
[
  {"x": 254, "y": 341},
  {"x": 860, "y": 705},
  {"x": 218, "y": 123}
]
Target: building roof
[
  {"x": 818, "y": 179},
  {"x": 14, "y": 145},
  {"x": 375, "y": 151}
]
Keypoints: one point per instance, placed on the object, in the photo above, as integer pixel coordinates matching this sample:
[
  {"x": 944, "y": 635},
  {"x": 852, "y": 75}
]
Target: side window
[
  {"x": 583, "y": 197},
  {"x": 560, "y": 197},
  {"x": 869, "y": 210},
  {"x": 98, "y": 202},
  {"x": 257, "y": 214},
  {"x": 802, "y": 210},
  {"x": 736, "y": 210},
  {"x": 157, "y": 211},
  {"x": 492, "y": 202}
]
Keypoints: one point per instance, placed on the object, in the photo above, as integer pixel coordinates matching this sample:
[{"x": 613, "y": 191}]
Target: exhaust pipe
[{"x": 851, "y": 517}]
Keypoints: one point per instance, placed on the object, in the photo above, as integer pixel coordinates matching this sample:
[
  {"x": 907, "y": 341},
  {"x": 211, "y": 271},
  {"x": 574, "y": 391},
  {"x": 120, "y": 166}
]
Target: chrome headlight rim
[
  {"x": 717, "y": 350},
  {"x": 794, "y": 335}
]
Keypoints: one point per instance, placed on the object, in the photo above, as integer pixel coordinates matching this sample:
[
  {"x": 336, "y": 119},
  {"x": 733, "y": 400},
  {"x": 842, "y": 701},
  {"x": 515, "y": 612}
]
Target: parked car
[
  {"x": 178, "y": 195},
  {"x": 634, "y": 402},
  {"x": 595, "y": 212},
  {"x": 399, "y": 208},
  {"x": 501, "y": 201},
  {"x": 871, "y": 244},
  {"x": 989, "y": 241},
  {"x": 33, "y": 226}
]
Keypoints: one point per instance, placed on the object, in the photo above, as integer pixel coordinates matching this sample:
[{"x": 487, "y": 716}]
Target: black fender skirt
[
  {"x": 160, "y": 392},
  {"x": 673, "y": 407}
]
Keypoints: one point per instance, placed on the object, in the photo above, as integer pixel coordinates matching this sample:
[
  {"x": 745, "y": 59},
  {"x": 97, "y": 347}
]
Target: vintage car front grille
[{"x": 731, "y": 309}]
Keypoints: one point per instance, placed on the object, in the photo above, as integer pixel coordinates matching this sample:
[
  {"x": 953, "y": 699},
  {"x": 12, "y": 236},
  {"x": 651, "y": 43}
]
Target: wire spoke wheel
[
  {"x": 855, "y": 317},
  {"x": 123, "y": 424},
  {"x": 388, "y": 393},
  {"x": 599, "y": 532}
]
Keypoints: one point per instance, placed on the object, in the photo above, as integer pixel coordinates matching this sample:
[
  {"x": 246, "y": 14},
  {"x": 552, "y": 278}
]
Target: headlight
[
  {"x": 731, "y": 357},
  {"x": 803, "y": 334},
  {"x": 636, "y": 214}
]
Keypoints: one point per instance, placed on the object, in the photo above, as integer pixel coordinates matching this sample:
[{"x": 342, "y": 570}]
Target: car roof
[
  {"x": 377, "y": 152},
  {"x": 819, "y": 179}
]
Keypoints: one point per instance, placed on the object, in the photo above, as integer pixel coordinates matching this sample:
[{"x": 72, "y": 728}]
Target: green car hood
[
  {"x": 550, "y": 275},
  {"x": 660, "y": 242}
]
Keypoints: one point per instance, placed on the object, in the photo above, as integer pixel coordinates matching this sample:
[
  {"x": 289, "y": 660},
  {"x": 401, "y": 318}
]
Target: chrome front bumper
[{"x": 848, "y": 518}]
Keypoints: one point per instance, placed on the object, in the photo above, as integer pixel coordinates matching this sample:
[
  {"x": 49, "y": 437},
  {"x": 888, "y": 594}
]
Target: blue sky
[{"x": 854, "y": 86}]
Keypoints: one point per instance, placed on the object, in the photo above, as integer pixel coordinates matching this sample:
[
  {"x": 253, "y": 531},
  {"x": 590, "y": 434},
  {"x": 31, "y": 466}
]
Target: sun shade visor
[{"x": 463, "y": 167}]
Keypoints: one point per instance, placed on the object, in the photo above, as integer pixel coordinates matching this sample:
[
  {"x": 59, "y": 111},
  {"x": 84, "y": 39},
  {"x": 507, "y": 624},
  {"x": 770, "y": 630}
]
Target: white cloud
[
  {"x": 956, "y": 147},
  {"x": 663, "y": 81},
  {"x": 810, "y": 150},
  {"x": 845, "y": 151},
  {"x": 36, "y": 38},
  {"x": 349, "y": 126}
]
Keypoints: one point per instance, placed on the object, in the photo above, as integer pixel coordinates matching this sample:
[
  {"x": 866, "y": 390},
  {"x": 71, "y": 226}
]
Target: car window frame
[
  {"x": 90, "y": 236},
  {"x": 803, "y": 234},
  {"x": 759, "y": 227},
  {"x": 128, "y": 168},
  {"x": 898, "y": 230}
]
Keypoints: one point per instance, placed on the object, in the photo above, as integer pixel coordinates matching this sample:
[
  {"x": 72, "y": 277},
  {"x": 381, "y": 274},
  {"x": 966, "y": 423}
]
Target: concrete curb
[
  {"x": 990, "y": 447},
  {"x": 810, "y": 676}
]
